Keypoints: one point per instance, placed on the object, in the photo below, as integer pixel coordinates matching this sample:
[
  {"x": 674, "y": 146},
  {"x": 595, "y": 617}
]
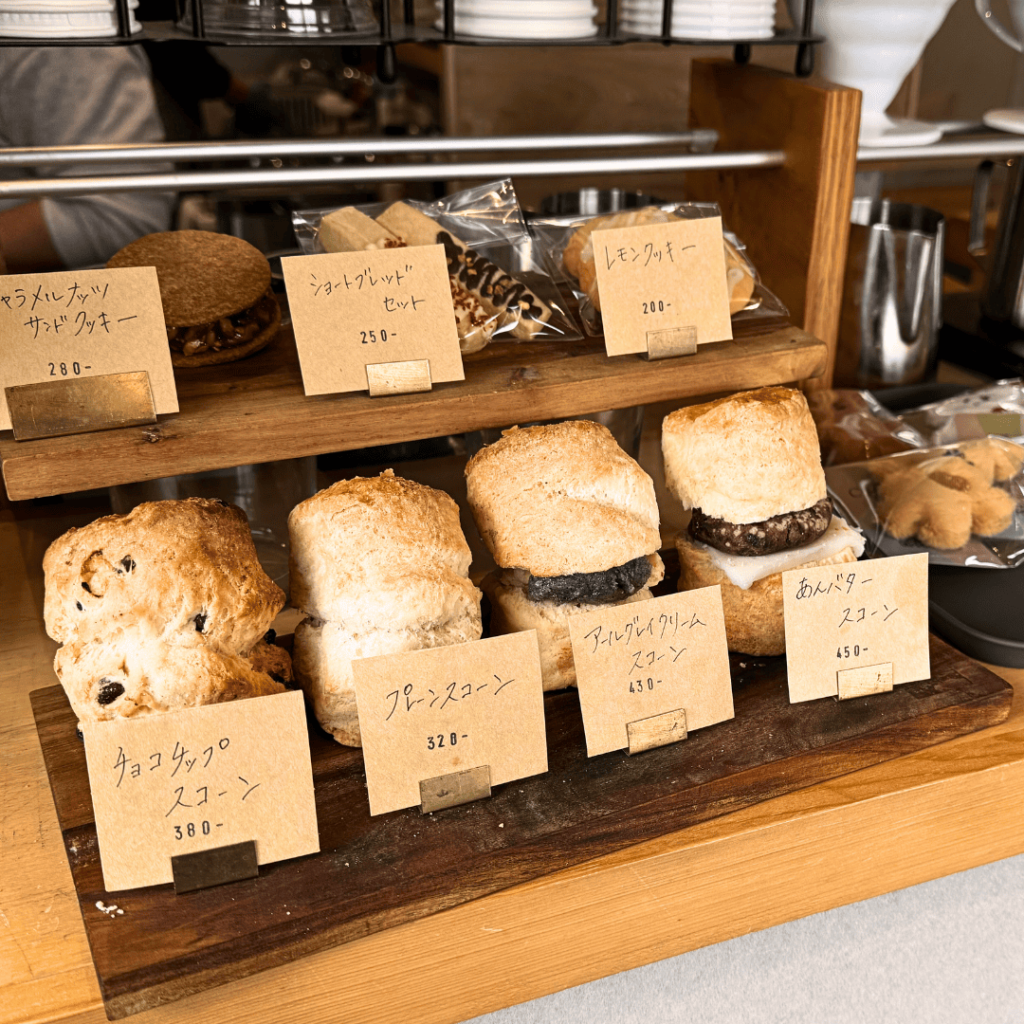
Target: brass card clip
[
  {"x": 400, "y": 378},
  {"x": 79, "y": 405},
  {"x": 454, "y": 789},
  {"x": 656, "y": 731},
  {"x": 207, "y": 868},
  {"x": 859, "y": 682},
  {"x": 675, "y": 341}
]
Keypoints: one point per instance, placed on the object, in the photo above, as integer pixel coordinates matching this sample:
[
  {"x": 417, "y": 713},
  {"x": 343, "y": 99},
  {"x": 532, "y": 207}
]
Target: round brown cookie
[{"x": 203, "y": 275}]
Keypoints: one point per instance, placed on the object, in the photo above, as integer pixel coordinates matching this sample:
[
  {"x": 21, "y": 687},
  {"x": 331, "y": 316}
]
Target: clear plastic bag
[
  {"x": 962, "y": 503},
  {"x": 854, "y": 426},
  {"x": 501, "y": 286},
  {"x": 993, "y": 409},
  {"x": 572, "y": 257}
]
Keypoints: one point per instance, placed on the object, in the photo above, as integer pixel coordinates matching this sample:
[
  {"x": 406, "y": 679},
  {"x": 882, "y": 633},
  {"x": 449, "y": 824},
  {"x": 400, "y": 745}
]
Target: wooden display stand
[{"x": 602, "y": 910}]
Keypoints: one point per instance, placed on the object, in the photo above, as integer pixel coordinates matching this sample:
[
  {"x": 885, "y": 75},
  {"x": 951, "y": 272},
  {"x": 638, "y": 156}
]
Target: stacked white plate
[
  {"x": 700, "y": 19},
  {"x": 522, "y": 19},
  {"x": 68, "y": 19}
]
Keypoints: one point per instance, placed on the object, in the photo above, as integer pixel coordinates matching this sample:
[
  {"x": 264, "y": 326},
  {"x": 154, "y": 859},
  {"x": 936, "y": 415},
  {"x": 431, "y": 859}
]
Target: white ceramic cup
[{"x": 872, "y": 45}]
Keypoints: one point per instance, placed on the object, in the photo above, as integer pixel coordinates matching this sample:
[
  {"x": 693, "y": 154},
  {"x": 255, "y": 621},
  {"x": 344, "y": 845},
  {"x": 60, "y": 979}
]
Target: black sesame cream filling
[{"x": 605, "y": 587}]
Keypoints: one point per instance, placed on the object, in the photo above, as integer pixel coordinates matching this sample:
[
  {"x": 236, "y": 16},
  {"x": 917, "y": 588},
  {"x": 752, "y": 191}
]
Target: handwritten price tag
[
  {"x": 638, "y": 660},
  {"x": 194, "y": 780},
  {"x": 354, "y": 309},
  {"x": 661, "y": 277},
  {"x": 447, "y": 709},
  {"x": 844, "y": 620},
  {"x": 84, "y": 323}
]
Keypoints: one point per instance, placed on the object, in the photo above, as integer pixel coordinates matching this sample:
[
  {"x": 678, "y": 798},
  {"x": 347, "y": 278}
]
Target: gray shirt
[{"x": 54, "y": 96}]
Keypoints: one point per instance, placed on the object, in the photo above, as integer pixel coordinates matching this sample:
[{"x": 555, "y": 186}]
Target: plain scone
[
  {"x": 379, "y": 566},
  {"x": 161, "y": 609},
  {"x": 558, "y": 500}
]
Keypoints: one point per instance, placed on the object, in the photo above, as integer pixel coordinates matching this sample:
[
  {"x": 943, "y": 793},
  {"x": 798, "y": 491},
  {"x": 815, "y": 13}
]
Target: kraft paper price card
[
  {"x": 448, "y": 709},
  {"x": 660, "y": 278},
  {"x": 635, "y": 661},
  {"x": 84, "y": 323},
  {"x": 856, "y": 627},
  {"x": 187, "y": 781},
  {"x": 351, "y": 310}
]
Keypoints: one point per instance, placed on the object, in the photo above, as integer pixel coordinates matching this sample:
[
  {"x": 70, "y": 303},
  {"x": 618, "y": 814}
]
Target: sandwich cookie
[{"x": 215, "y": 289}]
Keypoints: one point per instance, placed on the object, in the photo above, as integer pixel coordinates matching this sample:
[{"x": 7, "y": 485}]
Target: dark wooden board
[{"x": 374, "y": 873}]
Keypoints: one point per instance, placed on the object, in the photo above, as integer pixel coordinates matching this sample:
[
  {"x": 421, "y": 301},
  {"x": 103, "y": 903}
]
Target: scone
[
  {"x": 749, "y": 468},
  {"x": 164, "y": 608},
  {"x": 573, "y": 522},
  {"x": 378, "y": 566}
]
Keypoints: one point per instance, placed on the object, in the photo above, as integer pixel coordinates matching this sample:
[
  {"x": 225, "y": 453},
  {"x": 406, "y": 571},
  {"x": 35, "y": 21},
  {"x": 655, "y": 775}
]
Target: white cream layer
[{"x": 745, "y": 570}]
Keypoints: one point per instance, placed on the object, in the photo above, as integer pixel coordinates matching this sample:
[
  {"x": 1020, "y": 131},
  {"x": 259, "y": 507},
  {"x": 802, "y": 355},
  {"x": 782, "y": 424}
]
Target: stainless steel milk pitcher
[{"x": 892, "y": 295}]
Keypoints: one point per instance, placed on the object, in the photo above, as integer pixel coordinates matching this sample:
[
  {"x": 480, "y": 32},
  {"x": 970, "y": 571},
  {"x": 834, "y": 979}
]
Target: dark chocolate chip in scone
[
  {"x": 780, "y": 533},
  {"x": 110, "y": 690}
]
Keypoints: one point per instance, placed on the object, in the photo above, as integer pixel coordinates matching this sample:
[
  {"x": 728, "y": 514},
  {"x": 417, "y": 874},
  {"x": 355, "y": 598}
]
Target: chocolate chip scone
[{"x": 163, "y": 608}]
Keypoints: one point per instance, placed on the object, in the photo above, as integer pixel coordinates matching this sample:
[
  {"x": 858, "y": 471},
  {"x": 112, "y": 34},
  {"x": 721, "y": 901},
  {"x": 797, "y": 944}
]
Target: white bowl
[
  {"x": 522, "y": 28},
  {"x": 530, "y": 9},
  {"x": 77, "y": 24},
  {"x": 653, "y": 28}
]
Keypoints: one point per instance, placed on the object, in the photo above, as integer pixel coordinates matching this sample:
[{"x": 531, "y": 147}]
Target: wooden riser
[{"x": 374, "y": 874}]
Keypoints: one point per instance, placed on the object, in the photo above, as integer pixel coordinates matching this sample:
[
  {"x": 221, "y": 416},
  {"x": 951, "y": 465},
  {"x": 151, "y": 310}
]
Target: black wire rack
[{"x": 391, "y": 30}]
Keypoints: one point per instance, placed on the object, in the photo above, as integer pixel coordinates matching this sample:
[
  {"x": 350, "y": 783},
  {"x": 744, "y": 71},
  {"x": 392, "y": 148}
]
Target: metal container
[
  {"x": 892, "y": 295},
  {"x": 1002, "y": 298}
]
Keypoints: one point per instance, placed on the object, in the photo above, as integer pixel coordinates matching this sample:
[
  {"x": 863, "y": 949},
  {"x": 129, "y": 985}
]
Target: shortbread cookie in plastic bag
[{"x": 500, "y": 284}]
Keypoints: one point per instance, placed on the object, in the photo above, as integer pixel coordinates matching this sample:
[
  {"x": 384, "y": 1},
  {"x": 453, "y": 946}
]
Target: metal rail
[
  {"x": 286, "y": 176},
  {"x": 964, "y": 149},
  {"x": 703, "y": 139}
]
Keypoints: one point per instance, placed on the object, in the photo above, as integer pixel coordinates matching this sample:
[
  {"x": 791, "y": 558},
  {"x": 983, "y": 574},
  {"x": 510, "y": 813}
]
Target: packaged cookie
[
  {"x": 568, "y": 243},
  {"x": 501, "y": 284},
  {"x": 963, "y": 503}
]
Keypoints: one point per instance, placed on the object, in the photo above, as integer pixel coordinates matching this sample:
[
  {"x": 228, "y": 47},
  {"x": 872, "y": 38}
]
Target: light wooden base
[{"x": 938, "y": 811}]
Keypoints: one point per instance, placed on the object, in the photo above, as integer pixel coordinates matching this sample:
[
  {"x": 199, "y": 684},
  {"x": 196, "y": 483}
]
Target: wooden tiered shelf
[{"x": 255, "y": 411}]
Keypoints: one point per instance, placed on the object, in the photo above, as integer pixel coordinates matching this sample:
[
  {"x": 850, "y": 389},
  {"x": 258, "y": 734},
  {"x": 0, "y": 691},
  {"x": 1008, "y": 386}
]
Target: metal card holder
[
  {"x": 80, "y": 405},
  {"x": 674, "y": 341},
  {"x": 401, "y": 378},
  {"x": 206, "y": 868},
  {"x": 455, "y": 788},
  {"x": 656, "y": 731},
  {"x": 866, "y": 679}
]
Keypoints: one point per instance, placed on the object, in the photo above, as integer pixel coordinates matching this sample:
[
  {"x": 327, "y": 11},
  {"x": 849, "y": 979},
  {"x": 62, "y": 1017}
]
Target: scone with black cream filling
[{"x": 573, "y": 523}]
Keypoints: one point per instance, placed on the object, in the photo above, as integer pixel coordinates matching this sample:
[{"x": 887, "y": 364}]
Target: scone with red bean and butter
[
  {"x": 162, "y": 609},
  {"x": 749, "y": 468}
]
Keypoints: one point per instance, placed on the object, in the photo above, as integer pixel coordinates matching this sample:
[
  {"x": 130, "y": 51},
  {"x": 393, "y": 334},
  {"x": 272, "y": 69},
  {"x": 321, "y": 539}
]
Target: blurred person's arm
[{"x": 98, "y": 95}]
